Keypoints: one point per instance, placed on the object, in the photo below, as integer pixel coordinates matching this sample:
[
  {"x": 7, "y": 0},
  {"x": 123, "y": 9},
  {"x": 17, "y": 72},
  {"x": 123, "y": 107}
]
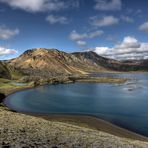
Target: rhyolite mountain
[
  {"x": 45, "y": 63},
  {"x": 52, "y": 62}
]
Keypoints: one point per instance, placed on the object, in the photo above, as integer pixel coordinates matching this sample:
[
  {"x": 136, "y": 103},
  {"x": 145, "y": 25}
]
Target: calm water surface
[{"x": 125, "y": 105}]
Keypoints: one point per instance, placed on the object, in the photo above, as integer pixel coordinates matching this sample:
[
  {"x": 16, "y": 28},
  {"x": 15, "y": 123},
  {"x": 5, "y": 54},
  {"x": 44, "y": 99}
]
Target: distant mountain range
[
  {"x": 52, "y": 62},
  {"x": 114, "y": 65}
]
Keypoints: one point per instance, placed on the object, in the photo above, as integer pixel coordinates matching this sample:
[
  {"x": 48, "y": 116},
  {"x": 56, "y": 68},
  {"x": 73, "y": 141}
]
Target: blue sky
[{"x": 112, "y": 28}]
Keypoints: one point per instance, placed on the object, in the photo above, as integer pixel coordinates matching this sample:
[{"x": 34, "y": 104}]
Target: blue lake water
[{"x": 125, "y": 105}]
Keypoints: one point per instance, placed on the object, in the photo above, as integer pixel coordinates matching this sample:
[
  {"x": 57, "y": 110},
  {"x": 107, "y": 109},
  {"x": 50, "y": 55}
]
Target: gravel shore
[{"x": 18, "y": 130}]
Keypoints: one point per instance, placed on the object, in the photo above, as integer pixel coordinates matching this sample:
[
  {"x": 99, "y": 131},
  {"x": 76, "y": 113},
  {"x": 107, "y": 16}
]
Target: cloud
[
  {"x": 56, "y": 19},
  {"x": 4, "y": 51},
  {"x": 80, "y": 38},
  {"x": 129, "y": 48},
  {"x": 81, "y": 43},
  {"x": 6, "y": 33},
  {"x": 95, "y": 34},
  {"x": 144, "y": 27},
  {"x": 77, "y": 36},
  {"x": 128, "y": 42},
  {"x": 105, "y": 21},
  {"x": 41, "y": 5},
  {"x": 108, "y": 5},
  {"x": 127, "y": 19}
]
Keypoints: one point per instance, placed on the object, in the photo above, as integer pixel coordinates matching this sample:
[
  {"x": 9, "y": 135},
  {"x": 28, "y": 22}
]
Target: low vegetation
[
  {"x": 28, "y": 131},
  {"x": 8, "y": 86},
  {"x": 103, "y": 80}
]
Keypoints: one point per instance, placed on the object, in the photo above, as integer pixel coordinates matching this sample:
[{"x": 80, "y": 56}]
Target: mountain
[
  {"x": 44, "y": 62},
  {"x": 4, "y": 71},
  {"x": 52, "y": 62},
  {"x": 114, "y": 65}
]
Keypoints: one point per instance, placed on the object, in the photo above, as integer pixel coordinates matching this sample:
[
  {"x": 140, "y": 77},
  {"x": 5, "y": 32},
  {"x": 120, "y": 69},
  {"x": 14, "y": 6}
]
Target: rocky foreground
[{"x": 18, "y": 130}]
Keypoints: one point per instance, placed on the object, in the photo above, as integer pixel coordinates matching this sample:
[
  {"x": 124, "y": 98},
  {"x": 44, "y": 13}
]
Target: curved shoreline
[
  {"x": 92, "y": 122},
  {"x": 89, "y": 121},
  {"x": 84, "y": 120}
]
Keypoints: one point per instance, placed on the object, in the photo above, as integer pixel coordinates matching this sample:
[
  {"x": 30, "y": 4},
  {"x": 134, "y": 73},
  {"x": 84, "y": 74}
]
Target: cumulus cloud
[
  {"x": 108, "y": 5},
  {"x": 6, "y": 33},
  {"x": 4, "y": 51},
  {"x": 144, "y": 27},
  {"x": 52, "y": 19},
  {"x": 129, "y": 48},
  {"x": 40, "y": 5},
  {"x": 105, "y": 21},
  {"x": 128, "y": 42}
]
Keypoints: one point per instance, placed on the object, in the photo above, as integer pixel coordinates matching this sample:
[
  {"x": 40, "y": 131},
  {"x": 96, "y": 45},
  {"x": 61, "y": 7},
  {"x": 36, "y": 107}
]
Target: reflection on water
[
  {"x": 125, "y": 105},
  {"x": 131, "y": 85}
]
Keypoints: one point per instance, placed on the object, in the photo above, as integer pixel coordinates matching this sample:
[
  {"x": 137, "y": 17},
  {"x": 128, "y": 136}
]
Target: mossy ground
[
  {"x": 8, "y": 86},
  {"x": 103, "y": 80}
]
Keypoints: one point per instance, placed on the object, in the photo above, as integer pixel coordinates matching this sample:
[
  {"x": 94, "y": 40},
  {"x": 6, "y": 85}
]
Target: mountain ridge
[{"x": 114, "y": 65}]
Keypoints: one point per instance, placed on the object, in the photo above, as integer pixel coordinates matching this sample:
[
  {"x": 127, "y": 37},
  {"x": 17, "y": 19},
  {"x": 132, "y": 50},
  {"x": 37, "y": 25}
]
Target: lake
[{"x": 125, "y": 105}]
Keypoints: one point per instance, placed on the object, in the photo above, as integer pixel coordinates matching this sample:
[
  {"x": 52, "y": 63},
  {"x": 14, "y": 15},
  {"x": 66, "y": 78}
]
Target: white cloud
[
  {"x": 102, "y": 50},
  {"x": 56, "y": 19},
  {"x": 81, "y": 43},
  {"x": 144, "y": 27},
  {"x": 80, "y": 38},
  {"x": 127, "y": 19},
  {"x": 95, "y": 34},
  {"x": 105, "y": 21},
  {"x": 4, "y": 51},
  {"x": 108, "y": 5},
  {"x": 6, "y": 33},
  {"x": 77, "y": 36},
  {"x": 128, "y": 42},
  {"x": 41, "y": 5},
  {"x": 129, "y": 48}
]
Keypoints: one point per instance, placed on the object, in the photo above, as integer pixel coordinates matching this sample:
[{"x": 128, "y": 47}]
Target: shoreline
[
  {"x": 92, "y": 122},
  {"x": 88, "y": 121}
]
